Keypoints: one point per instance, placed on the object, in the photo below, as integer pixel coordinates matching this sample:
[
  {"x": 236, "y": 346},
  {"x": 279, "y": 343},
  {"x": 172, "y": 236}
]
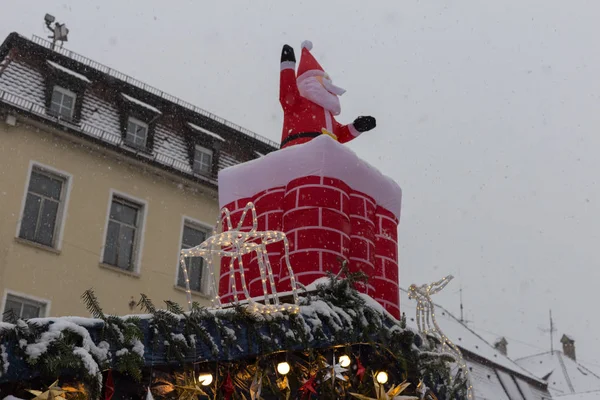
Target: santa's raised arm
[{"x": 310, "y": 101}]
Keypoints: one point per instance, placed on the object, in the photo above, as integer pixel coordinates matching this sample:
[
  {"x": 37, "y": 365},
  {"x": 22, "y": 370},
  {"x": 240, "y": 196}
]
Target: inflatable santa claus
[
  {"x": 311, "y": 100},
  {"x": 333, "y": 206}
]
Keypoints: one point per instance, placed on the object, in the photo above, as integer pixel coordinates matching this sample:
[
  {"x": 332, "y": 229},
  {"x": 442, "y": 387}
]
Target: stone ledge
[
  {"x": 37, "y": 245},
  {"x": 119, "y": 270}
]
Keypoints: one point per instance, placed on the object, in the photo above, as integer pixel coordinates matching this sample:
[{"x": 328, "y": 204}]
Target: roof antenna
[
  {"x": 462, "y": 319},
  {"x": 462, "y": 308},
  {"x": 59, "y": 31},
  {"x": 551, "y": 331}
]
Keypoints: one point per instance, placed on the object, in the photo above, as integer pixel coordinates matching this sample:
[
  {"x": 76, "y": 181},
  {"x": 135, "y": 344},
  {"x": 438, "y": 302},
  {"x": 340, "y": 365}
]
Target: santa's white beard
[{"x": 311, "y": 89}]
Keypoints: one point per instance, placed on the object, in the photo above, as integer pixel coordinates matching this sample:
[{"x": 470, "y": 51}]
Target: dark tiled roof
[
  {"x": 168, "y": 142},
  {"x": 23, "y": 81},
  {"x": 134, "y": 82},
  {"x": 22, "y": 87}
]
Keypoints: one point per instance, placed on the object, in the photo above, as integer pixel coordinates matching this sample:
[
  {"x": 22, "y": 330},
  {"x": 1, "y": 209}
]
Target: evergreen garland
[{"x": 336, "y": 313}]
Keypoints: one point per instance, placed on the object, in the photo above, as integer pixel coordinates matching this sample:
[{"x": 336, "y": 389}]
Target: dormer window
[
  {"x": 203, "y": 160},
  {"x": 137, "y": 133},
  {"x": 64, "y": 92},
  {"x": 138, "y": 123},
  {"x": 62, "y": 103},
  {"x": 204, "y": 149}
]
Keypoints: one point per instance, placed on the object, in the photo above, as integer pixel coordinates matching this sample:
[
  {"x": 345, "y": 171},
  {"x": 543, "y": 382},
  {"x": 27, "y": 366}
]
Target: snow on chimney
[
  {"x": 501, "y": 345},
  {"x": 568, "y": 347}
]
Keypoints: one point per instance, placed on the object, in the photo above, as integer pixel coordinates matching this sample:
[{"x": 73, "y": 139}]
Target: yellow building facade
[
  {"x": 81, "y": 209},
  {"x": 55, "y": 275}
]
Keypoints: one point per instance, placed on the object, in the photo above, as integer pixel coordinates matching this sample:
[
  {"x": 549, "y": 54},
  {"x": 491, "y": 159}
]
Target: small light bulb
[
  {"x": 345, "y": 361},
  {"x": 283, "y": 368},
  {"x": 382, "y": 377},
  {"x": 205, "y": 379}
]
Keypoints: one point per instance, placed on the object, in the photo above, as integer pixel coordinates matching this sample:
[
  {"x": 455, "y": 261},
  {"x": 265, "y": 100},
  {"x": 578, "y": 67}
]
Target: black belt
[{"x": 301, "y": 135}]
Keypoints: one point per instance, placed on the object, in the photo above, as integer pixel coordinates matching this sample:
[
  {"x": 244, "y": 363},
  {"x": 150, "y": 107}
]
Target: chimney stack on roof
[
  {"x": 502, "y": 346},
  {"x": 568, "y": 347}
]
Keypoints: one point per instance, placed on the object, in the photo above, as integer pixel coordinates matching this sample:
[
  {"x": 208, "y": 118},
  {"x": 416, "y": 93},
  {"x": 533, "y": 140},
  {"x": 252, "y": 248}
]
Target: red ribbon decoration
[
  {"x": 360, "y": 370},
  {"x": 228, "y": 387},
  {"x": 109, "y": 386}
]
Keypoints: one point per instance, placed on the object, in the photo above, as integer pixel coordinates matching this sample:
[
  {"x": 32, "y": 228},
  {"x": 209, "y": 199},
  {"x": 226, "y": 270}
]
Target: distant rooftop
[
  {"x": 595, "y": 395},
  {"x": 564, "y": 376},
  {"x": 494, "y": 376}
]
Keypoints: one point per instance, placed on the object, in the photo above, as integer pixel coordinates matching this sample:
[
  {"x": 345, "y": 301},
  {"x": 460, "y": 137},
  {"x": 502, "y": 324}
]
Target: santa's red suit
[{"x": 311, "y": 101}]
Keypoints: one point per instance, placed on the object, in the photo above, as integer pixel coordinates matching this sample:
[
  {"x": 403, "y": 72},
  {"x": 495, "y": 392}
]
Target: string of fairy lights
[
  {"x": 427, "y": 324},
  {"x": 335, "y": 371},
  {"x": 234, "y": 243}
]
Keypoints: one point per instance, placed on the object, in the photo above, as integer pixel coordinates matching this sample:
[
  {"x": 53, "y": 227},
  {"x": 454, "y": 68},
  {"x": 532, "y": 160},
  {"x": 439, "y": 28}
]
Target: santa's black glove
[
  {"x": 287, "y": 54},
  {"x": 363, "y": 124}
]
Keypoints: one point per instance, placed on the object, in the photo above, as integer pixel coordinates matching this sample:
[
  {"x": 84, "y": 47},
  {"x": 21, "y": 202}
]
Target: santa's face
[
  {"x": 320, "y": 90},
  {"x": 329, "y": 86}
]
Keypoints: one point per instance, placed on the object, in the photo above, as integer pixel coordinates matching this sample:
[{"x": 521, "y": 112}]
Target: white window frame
[
  {"x": 64, "y": 92},
  {"x": 138, "y": 246},
  {"x": 134, "y": 134},
  {"x": 33, "y": 299},
  {"x": 62, "y": 209},
  {"x": 205, "y": 289},
  {"x": 204, "y": 150}
]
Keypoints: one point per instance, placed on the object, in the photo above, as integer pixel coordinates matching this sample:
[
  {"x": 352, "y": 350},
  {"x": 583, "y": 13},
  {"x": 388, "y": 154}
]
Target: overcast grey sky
[{"x": 488, "y": 116}]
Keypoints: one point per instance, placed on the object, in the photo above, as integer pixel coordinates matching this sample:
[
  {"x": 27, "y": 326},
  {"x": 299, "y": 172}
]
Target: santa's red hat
[{"x": 309, "y": 67}]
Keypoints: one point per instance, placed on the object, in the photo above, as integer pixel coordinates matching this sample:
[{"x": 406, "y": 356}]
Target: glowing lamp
[
  {"x": 345, "y": 361},
  {"x": 283, "y": 368},
  {"x": 205, "y": 379},
  {"x": 382, "y": 377}
]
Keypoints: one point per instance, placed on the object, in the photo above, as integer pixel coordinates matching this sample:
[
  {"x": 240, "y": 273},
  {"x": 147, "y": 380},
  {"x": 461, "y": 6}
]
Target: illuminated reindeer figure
[
  {"x": 233, "y": 244},
  {"x": 427, "y": 324}
]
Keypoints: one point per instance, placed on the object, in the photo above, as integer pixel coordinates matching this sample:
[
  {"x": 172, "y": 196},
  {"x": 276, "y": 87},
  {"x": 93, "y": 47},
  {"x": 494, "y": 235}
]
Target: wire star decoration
[
  {"x": 234, "y": 243},
  {"x": 55, "y": 392},
  {"x": 392, "y": 394},
  {"x": 336, "y": 371}
]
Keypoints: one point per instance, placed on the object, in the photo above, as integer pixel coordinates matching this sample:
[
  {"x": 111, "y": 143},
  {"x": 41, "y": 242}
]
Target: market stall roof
[{"x": 227, "y": 335}]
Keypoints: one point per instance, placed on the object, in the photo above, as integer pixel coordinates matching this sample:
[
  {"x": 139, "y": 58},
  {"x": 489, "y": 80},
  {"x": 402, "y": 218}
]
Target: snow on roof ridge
[
  {"x": 68, "y": 71},
  {"x": 141, "y": 103},
  {"x": 587, "y": 370},
  {"x": 572, "y": 376},
  {"x": 204, "y": 130},
  {"x": 593, "y": 394},
  {"x": 565, "y": 373},
  {"x": 148, "y": 88},
  {"x": 534, "y": 355},
  {"x": 586, "y": 392},
  {"x": 579, "y": 364}
]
